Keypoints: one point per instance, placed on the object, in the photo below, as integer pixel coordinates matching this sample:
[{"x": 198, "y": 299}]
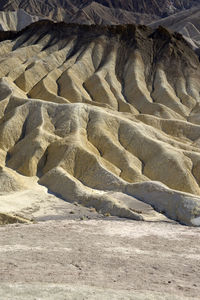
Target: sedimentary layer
[
  {"x": 102, "y": 113},
  {"x": 99, "y": 11},
  {"x": 15, "y": 20}
]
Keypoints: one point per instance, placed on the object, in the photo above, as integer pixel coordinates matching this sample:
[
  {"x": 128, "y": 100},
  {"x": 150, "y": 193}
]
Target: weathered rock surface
[
  {"x": 16, "y": 20},
  {"x": 100, "y": 11},
  {"x": 185, "y": 22},
  {"x": 94, "y": 111},
  {"x": 181, "y": 16}
]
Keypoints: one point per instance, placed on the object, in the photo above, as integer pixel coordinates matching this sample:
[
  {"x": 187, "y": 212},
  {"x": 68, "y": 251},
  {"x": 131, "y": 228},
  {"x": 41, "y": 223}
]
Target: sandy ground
[
  {"x": 99, "y": 259},
  {"x": 36, "y": 202}
]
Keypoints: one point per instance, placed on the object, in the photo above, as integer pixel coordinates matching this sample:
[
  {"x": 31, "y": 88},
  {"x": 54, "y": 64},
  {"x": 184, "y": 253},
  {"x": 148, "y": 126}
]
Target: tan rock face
[{"x": 93, "y": 110}]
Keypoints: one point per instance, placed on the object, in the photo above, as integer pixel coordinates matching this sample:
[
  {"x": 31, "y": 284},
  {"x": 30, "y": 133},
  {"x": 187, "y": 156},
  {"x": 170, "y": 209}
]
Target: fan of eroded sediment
[{"x": 102, "y": 115}]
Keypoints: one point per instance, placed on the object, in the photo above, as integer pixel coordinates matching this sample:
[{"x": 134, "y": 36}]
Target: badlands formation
[
  {"x": 177, "y": 15},
  {"x": 185, "y": 22},
  {"x": 107, "y": 117},
  {"x": 16, "y": 20},
  {"x": 93, "y": 11}
]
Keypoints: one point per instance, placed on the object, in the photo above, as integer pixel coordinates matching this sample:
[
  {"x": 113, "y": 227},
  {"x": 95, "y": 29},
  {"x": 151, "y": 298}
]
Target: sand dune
[{"x": 93, "y": 111}]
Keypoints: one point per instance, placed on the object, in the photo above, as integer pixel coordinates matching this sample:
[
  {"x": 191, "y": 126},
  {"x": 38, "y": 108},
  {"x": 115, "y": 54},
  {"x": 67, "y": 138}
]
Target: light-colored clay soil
[
  {"x": 100, "y": 122},
  {"x": 99, "y": 259}
]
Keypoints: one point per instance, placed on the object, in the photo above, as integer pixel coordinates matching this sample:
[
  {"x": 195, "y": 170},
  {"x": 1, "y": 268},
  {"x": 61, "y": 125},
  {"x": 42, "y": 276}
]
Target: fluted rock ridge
[{"x": 95, "y": 112}]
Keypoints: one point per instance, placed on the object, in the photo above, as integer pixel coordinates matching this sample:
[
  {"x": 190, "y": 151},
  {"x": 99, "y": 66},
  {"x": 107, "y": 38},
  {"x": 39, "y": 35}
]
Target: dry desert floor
[{"x": 106, "y": 258}]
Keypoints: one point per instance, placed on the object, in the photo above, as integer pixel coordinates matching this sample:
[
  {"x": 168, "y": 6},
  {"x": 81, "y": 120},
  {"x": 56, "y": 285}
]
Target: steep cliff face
[{"x": 94, "y": 111}]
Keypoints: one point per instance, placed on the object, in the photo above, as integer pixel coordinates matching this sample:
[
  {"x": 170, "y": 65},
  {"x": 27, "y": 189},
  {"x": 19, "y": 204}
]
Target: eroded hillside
[
  {"x": 15, "y": 20},
  {"x": 98, "y": 113},
  {"x": 185, "y": 22},
  {"x": 100, "y": 11}
]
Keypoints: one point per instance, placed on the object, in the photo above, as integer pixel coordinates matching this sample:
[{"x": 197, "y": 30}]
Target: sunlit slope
[
  {"x": 15, "y": 20},
  {"x": 97, "y": 110},
  {"x": 186, "y": 22}
]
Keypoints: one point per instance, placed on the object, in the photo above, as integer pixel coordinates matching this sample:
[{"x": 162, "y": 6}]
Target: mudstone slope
[
  {"x": 185, "y": 22},
  {"x": 177, "y": 15},
  {"x": 102, "y": 116},
  {"x": 16, "y": 20},
  {"x": 100, "y": 11}
]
